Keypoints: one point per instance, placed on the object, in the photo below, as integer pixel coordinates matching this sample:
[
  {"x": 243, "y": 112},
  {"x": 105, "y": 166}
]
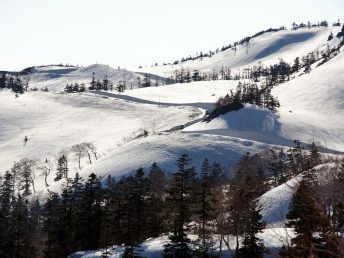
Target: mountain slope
[
  {"x": 56, "y": 78},
  {"x": 266, "y": 48}
]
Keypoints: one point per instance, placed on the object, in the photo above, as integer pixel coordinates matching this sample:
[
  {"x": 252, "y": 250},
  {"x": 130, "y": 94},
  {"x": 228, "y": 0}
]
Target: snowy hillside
[
  {"x": 266, "y": 48},
  {"x": 140, "y": 126},
  {"x": 55, "y": 78},
  {"x": 312, "y": 109}
]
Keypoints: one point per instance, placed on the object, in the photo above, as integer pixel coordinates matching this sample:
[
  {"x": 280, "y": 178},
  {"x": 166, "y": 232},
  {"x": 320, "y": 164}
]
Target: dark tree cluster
[
  {"x": 341, "y": 33},
  {"x": 245, "y": 93},
  {"x": 284, "y": 165},
  {"x": 309, "y": 25},
  {"x": 16, "y": 84},
  {"x": 105, "y": 84},
  {"x": 315, "y": 235},
  {"x": 76, "y": 87},
  {"x": 99, "y": 213}
]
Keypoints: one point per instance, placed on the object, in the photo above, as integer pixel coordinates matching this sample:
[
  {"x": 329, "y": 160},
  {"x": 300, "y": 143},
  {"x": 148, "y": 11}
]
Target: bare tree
[
  {"x": 45, "y": 169},
  {"x": 79, "y": 152},
  {"x": 26, "y": 79},
  {"x": 92, "y": 148}
]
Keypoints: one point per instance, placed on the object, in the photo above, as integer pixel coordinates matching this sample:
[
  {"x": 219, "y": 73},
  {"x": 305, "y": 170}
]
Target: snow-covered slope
[
  {"x": 55, "y": 121},
  {"x": 266, "y": 48},
  {"x": 312, "y": 109},
  {"x": 168, "y": 147},
  {"x": 56, "y": 78}
]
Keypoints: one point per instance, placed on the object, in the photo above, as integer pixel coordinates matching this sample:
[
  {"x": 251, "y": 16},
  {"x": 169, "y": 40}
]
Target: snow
[
  {"x": 267, "y": 48},
  {"x": 167, "y": 148},
  {"x": 312, "y": 109},
  {"x": 201, "y": 94},
  {"x": 56, "y": 78},
  {"x": 275, "y": 203},
  {"x": 274, "y": 239},
  {"x": 55, "y": 121}
]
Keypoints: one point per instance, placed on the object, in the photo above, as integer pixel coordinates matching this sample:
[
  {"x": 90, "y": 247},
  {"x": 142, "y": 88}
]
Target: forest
[{"x": 214, "y": 203}]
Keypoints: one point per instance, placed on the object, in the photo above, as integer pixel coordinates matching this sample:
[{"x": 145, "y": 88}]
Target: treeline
[
  {"x": 106, "y": 84},
  {"x": 97, "y": 212},
  {"x": 269, "y": 75}
]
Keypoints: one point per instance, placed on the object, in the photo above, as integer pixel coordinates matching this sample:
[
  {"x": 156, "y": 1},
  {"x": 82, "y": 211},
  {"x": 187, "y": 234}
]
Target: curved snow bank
[
  {"x": 167, "y": 148},
  {"x": 202, "y": 94},
  {"x": 251, "y": 123}
]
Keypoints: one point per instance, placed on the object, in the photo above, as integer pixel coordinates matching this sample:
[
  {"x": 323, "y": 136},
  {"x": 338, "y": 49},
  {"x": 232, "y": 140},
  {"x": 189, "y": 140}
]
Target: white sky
[{"x": 133, "y": 32}]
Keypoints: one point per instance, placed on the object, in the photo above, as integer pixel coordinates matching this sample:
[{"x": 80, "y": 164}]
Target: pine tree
[
  {"x": 204, "y": 213},
  {"x": 3, "y": 80},
  {"x": 314, "y": 156},
  {"x": 156, "y": 203},
  {"x": 62, "y": 168},
  {"x": 23, "y": 245},
  {"x": 252, "y": 246},
  {"x": 314, "y": 233},
  {"x": 244, "y": 218},
  {"x": 273, "y": 166},
  {"x": 51, "y": 208},
  {"x": 93, "y": 82},
  {"x": 106, "y": 228},
  {"x": 179, "y": 201},
  {"x": 296, "y": 66},
  {"x": 338, "y": 206},
  {"x": 138, "y": 187},
  {"x": 90, "y": 214},
  {"x": 6, "y": 216}
]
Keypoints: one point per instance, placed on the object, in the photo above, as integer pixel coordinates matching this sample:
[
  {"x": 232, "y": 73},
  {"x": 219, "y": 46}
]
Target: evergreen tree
[
  {"x": 3, "y": 80},
  {"x": 23, "y": 245},
  {"x": 156, "y": 201},
  {"x": 90, "y": 214},
  {"x": 244, "y": 218},
  {"x": 179, "y": 201},
  {"x": 252, "y": 246},
  {"x": 62, "y": 168},
  {"x": 314, "y": 234},
  {"x": 138, "y": 187},
  {"x": 314, "y": 156},
  {"x": 204, "y": 213},
  {"x": 93, "y": 82},
  {"x": 6, "y": 216},
  {"x": 51, "y": 209}
]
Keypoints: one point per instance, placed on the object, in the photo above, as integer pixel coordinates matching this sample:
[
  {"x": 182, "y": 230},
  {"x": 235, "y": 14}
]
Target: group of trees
[
  {"x": 17, "y": 84},
  {"x": 105, "y": 84},
  {"x": 97, "y": 212},
  {"x": 76, "y": 87},
  {"x": 245, "y": 93},
  {"x": 268, "y": 75},
  {"x": 309, "y": 25},
  {"x": 315, "y": 226}
]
